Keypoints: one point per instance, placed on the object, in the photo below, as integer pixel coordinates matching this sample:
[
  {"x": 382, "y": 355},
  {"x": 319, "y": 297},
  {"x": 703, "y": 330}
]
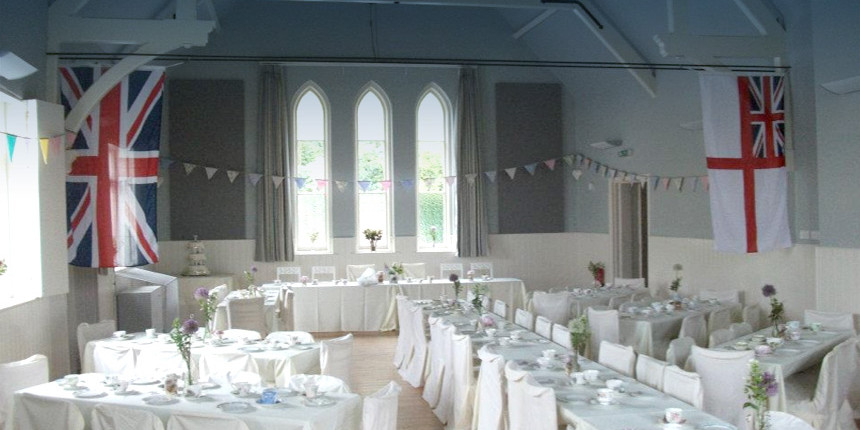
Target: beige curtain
[
  {"x": 274, "y": 203},
  {"x": 472, "y": 226}
]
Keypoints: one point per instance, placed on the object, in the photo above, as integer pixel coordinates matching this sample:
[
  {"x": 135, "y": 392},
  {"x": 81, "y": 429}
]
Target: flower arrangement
[
  {"x": 3, "y": 267},
  {"x": 470, "y": 274},
  {"x": 598, "y": 272},
  {"x": 760, "y": 385},
  {"x": 579, "y": 335},
  {"x": 676, "y": 283},
  {"x": 456, "y": 280},
  {"x": 776, "y": 308},
  {"x": 372, "y": 236},
  {"x": 488, "y": 321},
  {"x": 250, "y": 274},
  {"x": 394, "y": 271},
  {"x": 478, "y": 292},
  {"x": 181, "y": 336},
  {"x": 433, "y": 233},
  {"x": 208, "y": 303},
  {"x": 304, "y": 280}
]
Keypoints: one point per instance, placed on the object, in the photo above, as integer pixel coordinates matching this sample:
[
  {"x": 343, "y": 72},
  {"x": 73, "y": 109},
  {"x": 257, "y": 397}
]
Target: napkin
[{"x": 367, "y": 278}]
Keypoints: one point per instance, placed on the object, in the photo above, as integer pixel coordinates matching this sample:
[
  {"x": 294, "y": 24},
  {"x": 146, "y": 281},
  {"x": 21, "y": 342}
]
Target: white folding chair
[
  {"x": 500, "y": 308},
  {"x": 109, "y": 417},
  {"x": 18, "y": 375},
  {"x": 679, "y": 351},
  {"x": 290, "y": 336},
  {"x": 619, "y": 358},
  {"x": 629, "y": 282},
  {"x": 785, "y": 421},
  {"x": 88, "y": 332},
  {"x": 719, "y": 337},
  {"x": 416, "y": 360},
  {"x": 216, "y": 366},
  {"x": 482, "y": 268},
  {"x": 325, "y": 383},
  {"x": 829, "y": 408},
  {"x": 740, "y": 329},
  {"x": 462, "y": 380},
  {"x": 403, "y": 350},
  {"x": 220, "y": 292},
  {"x": 543, "y": 327},
  {"x": 524, "y": 319},
  {"x": 247, "y": 314},
  {"x": 336, "y": 357},
  {"x": 289, "y": 273},
  {"x": 191, "y": 421},
  {"x": 604, "y": 326},
  {"x": 694, "y": 326},
  {"x": 113, "y": 358},
  {"x": 437, "y": 363},
  {"x": 490, "y": 410},
  {"x": 530, "y": 406},
  {"x": 555, "y": 306},
  {"x": 239, "y": 334},
  {"x": 415, "y": 270},
  {"x": 447, "y": 269},
  {"x": 719, "y": 319},
  {"x": 723, "y": 374},
  {"x": 649, "y": 371},
  {"x": 380, "y": 408},
  {"x": 831, "y": 320},
  {"x": 444, "y": 409},
  {"x": 354, "y": 271},
  {"x": 723, "y": 296},
  {"x": 561, "y": 335},
  {"x": 684, "y": 386},
  {"x": 323, "y": 273},
  {"x": 752, "y": 316}
]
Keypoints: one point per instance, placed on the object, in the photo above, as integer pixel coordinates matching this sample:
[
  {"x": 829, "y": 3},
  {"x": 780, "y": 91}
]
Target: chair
[
  {"x": 641, "y": 296},
  {"x": 694, "y": 326},
  {"x": 288, "y": 336},
  {"x": 447, "y": 269},
  {"x": 555, "y": 306},
  {"x": 684, "y": 386},
  {"x": 336, "y": 357},
  {"x": 561, "y": 335},
  {"x": 437, "y": 360},
  {"x": 722, "y": 374},
  {"x": 740, "y": 329},
  {"x": 616, "y": 301},
  {"x": 415, "y": 270},
  {"x": 403, "y": 350},
  {"x": 158, "y": 362},
  {"x": 354, "y": 271},
  {"x": 629, "y": 282},
  {"x": 604, "y": 326},
  {"x": 462, "y": 381},
  {"x": 113, "y": 359},
  {"x": 524, "y": 319},
  {"x": 723, "y": 296},
  {"x": 416, "y": 358},
  {"x": 323, "y": 273},
  {"x": 490, "y": 410},
  {"x": 216, "y": 366},
  {"x": 543, "y": 327},
  {"x": 220, "y": 292},
  {"x": 500, "y": 308},
  {"x": 444, "y": 404},
  {"x": 88, "y": 332},
  {"x": 719, "y": 319},
  {"x": 619, "y": 358},
  {"x": 380, "y": 408},
  {"x": 530, "y": 406},
  {"x": 239, "y": 334},
  {"x": 829, "y": 408},
  {"x": 679, "y": 351},
  {"x": 18, "y": 375},
  {"x": 719, "y": 337},
  {"x": 752, "y": 316},
  {"x": 481, "y": 269},
  {"x": 831, "y": 320},
  {"x": 291, "y": 273},
  {"x": 649, "y": 371},
  {"x": 325, "y": 383},
  {"x": 38, "y": 412},
  {"x": 108, "y": 417},
  {"x": 189, "y": 421},
  {"x": 786, "y": 421},
  {"x": 247, "y": 314}
]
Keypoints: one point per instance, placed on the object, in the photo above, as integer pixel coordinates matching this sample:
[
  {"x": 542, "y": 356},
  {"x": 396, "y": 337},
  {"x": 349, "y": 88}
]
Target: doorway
[{"x": 629, "y": 228}]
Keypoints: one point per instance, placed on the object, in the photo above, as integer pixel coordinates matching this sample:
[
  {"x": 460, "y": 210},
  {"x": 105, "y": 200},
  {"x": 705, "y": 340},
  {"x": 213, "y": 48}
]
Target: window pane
[
  {"x": 373, "y": 158},
  {"x": 373, "y": 210},
  {"x": 312, "y": 206},
  {"x": 434, "y": 194}
]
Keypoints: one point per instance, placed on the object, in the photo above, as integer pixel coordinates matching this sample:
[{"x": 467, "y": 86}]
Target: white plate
[
  {"x": 123, "y": 337},
  {"x": 88, "y": 394},
  {"x": 236, "y": 407},
  {"x": 159, "y": 400},
  {"x": 277, "y": 405},
  {"x": 319, "y": 402},
  {"x": 127, "y": 393},
  {"x": 145, "y": 381},
  {"x": 304, "y": 347},
  {"x": 715, "y": 427},
  {"x": 252, "y": 349},
  {"x": 596, "y": 403}
]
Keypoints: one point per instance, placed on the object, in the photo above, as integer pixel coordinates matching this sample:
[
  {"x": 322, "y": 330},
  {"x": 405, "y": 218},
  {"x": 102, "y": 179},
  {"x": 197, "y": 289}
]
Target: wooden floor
[{"x": 372, "y": 368}]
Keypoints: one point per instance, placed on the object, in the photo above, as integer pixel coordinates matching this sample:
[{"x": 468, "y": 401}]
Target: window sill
[
  {"x": 314, "y": 253},
  {"x": 437, "y": 250},
  {"x": 11, "y": 302},
  {"x": 378, "y": 251}
]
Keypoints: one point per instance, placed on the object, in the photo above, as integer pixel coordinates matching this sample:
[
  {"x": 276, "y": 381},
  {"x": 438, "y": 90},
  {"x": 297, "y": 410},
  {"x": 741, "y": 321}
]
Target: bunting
[{"x": 512, "y": 171}]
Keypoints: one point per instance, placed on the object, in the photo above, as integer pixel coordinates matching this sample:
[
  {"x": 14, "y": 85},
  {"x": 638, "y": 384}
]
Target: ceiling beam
[
  {"x": 536, "y": 21},
  {"x": 510, "y": 4}
]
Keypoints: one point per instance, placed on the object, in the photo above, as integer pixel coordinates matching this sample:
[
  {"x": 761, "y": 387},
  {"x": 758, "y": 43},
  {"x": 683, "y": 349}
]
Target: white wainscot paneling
[{"x": 837, "y": 272}]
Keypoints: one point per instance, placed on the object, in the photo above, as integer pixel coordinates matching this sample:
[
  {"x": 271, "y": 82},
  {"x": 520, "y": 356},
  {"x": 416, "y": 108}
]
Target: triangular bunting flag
[
  {"x": 56, "y": 144},
  {"x": 254, "y": 178},
  {"x": 603, "y": 170},
  {"x": 531, "y": 168},
  {"x": 576, "y": 174},
  {"x": 386, "y": 184},
  {"x": 428, "y": 182},
  {"x": 642, "y": 178},
  {"x": 188, "y": 167},
  {"x": 612, "y": 173},
  {"x": 210, "y": 172},
  {"x": 679, "y": 183},
  {"x": 277, "y": 181},
  {"x": 158, "y": 182},
  {"x": 43, "y": 143},
  {"x": 231, "y": 175},
  {"x": 10, "y": 140},
  {"x": 300, "y": 182},
  {"x": 450, "y": 179},
  {"x": 629, "y": 177},
  {"x": 568, "y": 159},
  {"x": 341, "y": 185},
  {"x": 590, "y": 186},
  {"x": 491, "y": 175},
  {"x": 322, "y": 184},
  {"x": 665, "y": 182},
  {"x": 587, "y": 162},
  {"x": 164, "y": 163},
  {"x": 407, "y": 183},
  {"x": 511, "y": 172},
  {"x": 695, "y": 184},
  {"x": 550, "y": 164},
  {"x": 705, "y": 184},
  {"x": 578, "y": 158},
  {"x": 363, "y": 185},
  {"x": 470, "y": 178},
  {"x": 655, "y": 180}
]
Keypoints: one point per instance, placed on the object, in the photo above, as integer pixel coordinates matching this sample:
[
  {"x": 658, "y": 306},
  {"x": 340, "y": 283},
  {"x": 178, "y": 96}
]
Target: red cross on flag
[{"x": 744, "y": 126}]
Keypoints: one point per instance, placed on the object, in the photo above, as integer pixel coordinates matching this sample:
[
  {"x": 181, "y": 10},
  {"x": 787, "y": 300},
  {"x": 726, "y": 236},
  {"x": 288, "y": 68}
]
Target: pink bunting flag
[
  {"x": 450, "y": 179},
  {"x": 705, "y": 184},
  {"x": 550, "y": 164},
  {"x": 254, "y": 178},
  {"x": 665, "y": 182},
  {"x": 322, "y": 184},
  {"x": 70, "y": 139},
  {"x": 56, "y": 143},
  {"x": 511, "y": 172},
  {"x": 386, "y": 184},
  {"x": 587, "y": 162}
]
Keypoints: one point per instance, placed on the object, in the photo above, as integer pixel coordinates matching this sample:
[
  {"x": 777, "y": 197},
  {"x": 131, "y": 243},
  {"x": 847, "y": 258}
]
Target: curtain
[
  {"x": 472, "y": 226},
  {"x": 274, "y": 199}
]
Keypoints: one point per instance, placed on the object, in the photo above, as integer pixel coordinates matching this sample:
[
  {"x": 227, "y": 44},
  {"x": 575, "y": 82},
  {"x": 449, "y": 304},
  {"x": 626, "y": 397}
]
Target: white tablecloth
[
  {"x": 272, "y": 307},
  {"x": 345, "y": 414}
]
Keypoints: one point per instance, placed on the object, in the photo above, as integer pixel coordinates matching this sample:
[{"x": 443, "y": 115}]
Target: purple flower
[
  {"x": 488, "y": 321},
  {"x": 189, "y": 327},
  {"x": 769, "y": 381},
  {"x": 453, "y": 277},
  {"x": 768, "y": 290},
  {"x": 201, "y": 293},
  {"x": 253, "y": 269}
]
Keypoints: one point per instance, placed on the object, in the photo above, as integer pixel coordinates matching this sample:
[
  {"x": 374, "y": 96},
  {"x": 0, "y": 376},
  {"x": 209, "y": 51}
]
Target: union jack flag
[
  {"x": 111, "y": 187},
  {"x": 767, "y": 119}
]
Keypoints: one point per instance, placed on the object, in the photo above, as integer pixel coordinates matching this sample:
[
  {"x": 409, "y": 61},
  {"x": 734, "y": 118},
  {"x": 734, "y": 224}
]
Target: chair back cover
[
  {"x": 113, "y": 358},
  {"x": 156, "y": 362},
  {"x": 286, "y": 336},
  {"x": 463, "y": 380},
  {"x": 720, "y": 319},
  {"x": 619, "y": 358},
  {"x": 643, "y": 295},
  {"x": 719, "y": 337},
  {"x": 561, "y": 335},
  {"x": 490, "y": 413},
  {"x": 629, "y": 282},
  {"x": 482, "y": 268},
  {"x": 403, "y": 350},
  {"x": 649, "y": 371},
  {"x": 500, "y": 308},
  {"x": 189, "y": 421},
  {"x": 837, "y": 376},
  {"x": 724, "y": 296},
  {"x": 740, "y": 329},
  {"x": 684, "y": 386},
  {"x": 525, "y": 319},
  {"x": 380, "y": 408},
  {"x": 37, "y": 412},
  {"x": 694, "y": 326},
  {"x": 216, "y": 366},
  {"x": 530, "y": 406},
  {"x": 543, "y": 327},
  {"x": 679, "y": 351},
  {"x": 554, "y": 306},
  {"x": 786, "y": 421},
  {"x": 437, "y": 360},
  {"x": 752, "y": 316},
  {"x": 239, "y": 334},
  {"x": 325, "y": 383},
  {"x": 220, "y": 292},
  {"x": 447, "y": 269},
  {"x": 354, "y": 271},
  {"x": 616, "y": 301},
  {"x": 444, "y": 409},
  {"x": 336, "y": 357},
  {"x": 723, "y": 374},
  {"x": 604, "y": 326},
  {"x": 832, "y": 320},
  {"x": 289, "y": 273},
  {"x": 416, "y": 360},
  {"x": 87, "y": 332},
  {"x": 18, "y": 375},
  {"x": 247, "y": 314},
  {"x": 415, "y": 270},
  {"x": 108, "y": 417},
  {"x": 323, "y": 273}
]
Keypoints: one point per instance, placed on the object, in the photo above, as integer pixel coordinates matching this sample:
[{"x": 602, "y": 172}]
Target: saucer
[
  {"x": 594, "y": 401},
  {"x": 236, "y": 407},
  {"x": 160, "y": 400},
  {"x": 88, "y": 394},
  {"x": 319, "y": 401},
  {"x": 126, "y": 393}
]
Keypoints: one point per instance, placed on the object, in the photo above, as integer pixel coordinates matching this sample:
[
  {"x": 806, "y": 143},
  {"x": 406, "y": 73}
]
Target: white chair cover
[
  {"x": 157, "y": 362},
  {"x": 96, "y": 331},
  {"x": 719, "y": 319},
  {"x": 444, "y": 409},
  {"x": 48, "y": 413},
  {"x": 354, "y": 271},
  {"x": 415, "y": 270},
  {"x": 380, "y": 408},
  {"x": 543, "y": 327},
  {"x": 524, "y": 319},
  {"x": 619, "y": 358},
  {"x": 555, "y": 306},
  {"x": 679, "y": 351},
  {"x": 336, "y": 357},
  {"x": 490, "y": 411},
  {"x": 216, "y": 366},
  {"x": 720, "y": 336},
  {"x": 463, "y": 380},
  {"x": 832, "y": 320},
  {"x": 414, "y": 370},
  {"x": 616, "y": 301},
  {"x": 723, "y": 374},
  {"x": 694, "y": 326},
  {"x": 785, "y": 421},
  {"x": 289, "y": 273},
  {"x": 561, "y": 335},
  {"x": 642, "y": 295},
  {"x": 188, "y": 421},
  {"x": 323, "y": 273},
  {"x": 629, "y": 282},
  {"x": 239, "y": 334},
  {"x": 530, "y": 406},
  {"x": 500, "y": 308},
  {"x": 724, "y": 296},
  {"x": 829, "y": 408},
  {"x": 287, "y": 336},
  {"x": 325, "y": 383},
  {"x": 752, "y": 316},
  {"x": 403, "y": 350},
  {"x": 220, "y": 292},
  {"x": 247, "y": 314},
  {"x": 649, "y": 371},
  {"x": 113, "y": 359},
  {"x": 446, "y": 269},
  {"x": 740, "y": 329},
  {"x": 482, "y": 268},
  {"x": 604, "y": 326},
  {"x": 437, "y": 360},
  {"x": 108, "y": 417},
  {"x": 684, "y": 386},
  {"x": 18, "y": 375}
]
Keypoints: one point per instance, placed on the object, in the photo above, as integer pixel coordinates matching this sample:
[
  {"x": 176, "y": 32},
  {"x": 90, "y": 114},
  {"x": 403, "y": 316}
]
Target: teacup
[
  {"x": 269, "y": 396},
  {"x": 605, "y": 395},
  {"x": 614, "y": 384},
  {"x": 549, "y": 353},
  {"x": 793, "y": 325},
  {"x": 71, "y": 380},
  {"x": 242, "y": 388},
  {"x": 758, "y": 337},
  {"x": 545, "y": 363},
  {"x": 121, "y": 386},
  {"x": 741, "y": 345},
  {"x": 164, "y": 338},
  {"x": 578, "y": 377},
  {"x": 774, "y": 342},
  {"x": 591, "y": 375},
  {"x": 816, "y": 326},
  {"x": 516, "y": 334},
  {"x": 119, "y": 333},
  {"x": 504, "y": 341},
  {"x": 311, "y": 389},
  {"x": 491, "y": 332},
  {"x": 674, "y": 415}
]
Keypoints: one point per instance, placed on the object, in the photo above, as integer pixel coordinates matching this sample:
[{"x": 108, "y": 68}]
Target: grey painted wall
[{"x": 21, "y": 25}]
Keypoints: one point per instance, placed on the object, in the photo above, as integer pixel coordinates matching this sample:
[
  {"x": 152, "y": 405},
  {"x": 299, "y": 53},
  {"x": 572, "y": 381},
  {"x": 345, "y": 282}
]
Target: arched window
[
  {"x": 313, "y": 188},
  {"x": 436, "y": 199},
  {"x": 373, "y": 168}
]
